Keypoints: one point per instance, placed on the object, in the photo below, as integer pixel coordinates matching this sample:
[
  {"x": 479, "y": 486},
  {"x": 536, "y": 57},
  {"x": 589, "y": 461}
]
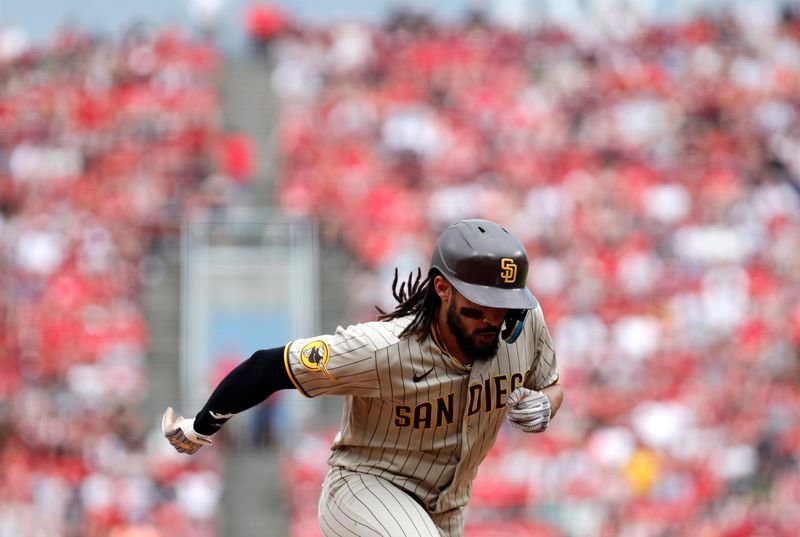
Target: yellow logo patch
[
  {"x": 315, "y": 355},
  {"x": 509, "y": 270}
]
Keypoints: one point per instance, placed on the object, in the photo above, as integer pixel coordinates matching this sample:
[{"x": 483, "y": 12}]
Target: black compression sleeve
[{"x": 248, "y": 384}]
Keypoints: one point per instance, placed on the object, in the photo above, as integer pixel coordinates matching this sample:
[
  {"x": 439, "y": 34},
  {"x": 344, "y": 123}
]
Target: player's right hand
[{"x": 181, "y": 434}]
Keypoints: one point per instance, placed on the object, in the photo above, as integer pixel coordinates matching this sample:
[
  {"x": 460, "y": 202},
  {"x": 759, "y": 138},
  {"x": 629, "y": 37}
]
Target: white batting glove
[
  {"x": 528, "y": 410},
  {"x": 181, "y": 434}
]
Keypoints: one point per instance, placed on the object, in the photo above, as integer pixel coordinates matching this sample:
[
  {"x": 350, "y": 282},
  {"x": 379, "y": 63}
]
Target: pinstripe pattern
[
  {"x": 414, "y": 416},
  {"x": 357, "y": 504}
]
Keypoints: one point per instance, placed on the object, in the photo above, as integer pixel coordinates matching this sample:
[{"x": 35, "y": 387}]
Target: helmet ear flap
[{"x": 512, "y": 325}]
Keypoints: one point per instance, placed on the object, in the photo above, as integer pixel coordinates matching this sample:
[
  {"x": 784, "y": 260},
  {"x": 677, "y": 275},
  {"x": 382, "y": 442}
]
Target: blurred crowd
[
  {"x": 653, "y": 173},
  {"x": 104, "y": 144},
  {"x": 651, "y": 168}
]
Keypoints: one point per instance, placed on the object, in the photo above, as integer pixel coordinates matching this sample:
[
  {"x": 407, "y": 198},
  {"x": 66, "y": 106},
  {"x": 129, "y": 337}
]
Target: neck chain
[
  {"x": 443, "y": 347},
  {"x": 440, "y": 339}
]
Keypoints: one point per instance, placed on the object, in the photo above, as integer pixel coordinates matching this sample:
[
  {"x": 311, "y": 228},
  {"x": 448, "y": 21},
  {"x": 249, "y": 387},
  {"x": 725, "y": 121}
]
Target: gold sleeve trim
[{"x": 289, "y": 371}]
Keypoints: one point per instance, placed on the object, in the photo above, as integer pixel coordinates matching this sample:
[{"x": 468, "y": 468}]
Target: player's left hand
[{"x": 528, "y": 410}]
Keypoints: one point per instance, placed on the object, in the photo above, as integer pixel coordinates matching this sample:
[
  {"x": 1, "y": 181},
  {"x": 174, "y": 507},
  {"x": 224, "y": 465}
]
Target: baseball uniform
[{"x": 416, "y": 423}]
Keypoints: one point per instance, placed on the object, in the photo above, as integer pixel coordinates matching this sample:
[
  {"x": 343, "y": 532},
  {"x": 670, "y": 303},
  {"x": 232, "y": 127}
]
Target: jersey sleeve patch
[{"x": 315, "y": 355}]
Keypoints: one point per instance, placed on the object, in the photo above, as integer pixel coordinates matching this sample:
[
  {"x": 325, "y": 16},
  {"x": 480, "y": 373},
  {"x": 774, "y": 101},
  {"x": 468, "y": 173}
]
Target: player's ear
[{"x": 443, "y": 288}]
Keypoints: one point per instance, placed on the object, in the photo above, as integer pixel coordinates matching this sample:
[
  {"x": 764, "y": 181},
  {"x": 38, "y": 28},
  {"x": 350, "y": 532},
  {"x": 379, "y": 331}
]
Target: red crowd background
[{"x": 653, "y": 177}]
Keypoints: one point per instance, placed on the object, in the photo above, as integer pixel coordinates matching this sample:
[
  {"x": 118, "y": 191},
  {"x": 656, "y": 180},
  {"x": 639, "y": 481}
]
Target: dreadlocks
[{"x": 413, "y": 297}]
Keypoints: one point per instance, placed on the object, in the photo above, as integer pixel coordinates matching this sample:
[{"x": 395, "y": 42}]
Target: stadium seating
[
  {"x": 653, "y": 177},
  {"x": 103, "y": 146},
  {"x": 655, "y": 182}
]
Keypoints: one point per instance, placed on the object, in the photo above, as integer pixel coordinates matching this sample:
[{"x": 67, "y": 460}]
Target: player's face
[{"x": 476, "y": 328}]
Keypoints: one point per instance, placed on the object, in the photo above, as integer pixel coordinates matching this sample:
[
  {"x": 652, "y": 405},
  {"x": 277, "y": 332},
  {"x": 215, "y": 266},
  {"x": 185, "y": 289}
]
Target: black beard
[{"x": 465, "y": 342}]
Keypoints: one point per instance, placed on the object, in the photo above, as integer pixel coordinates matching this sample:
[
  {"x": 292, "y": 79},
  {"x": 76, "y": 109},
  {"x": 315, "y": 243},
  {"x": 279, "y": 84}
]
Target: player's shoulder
[
  {"x": 376, "y": 334},
  {"x": 536, "y": 316}
]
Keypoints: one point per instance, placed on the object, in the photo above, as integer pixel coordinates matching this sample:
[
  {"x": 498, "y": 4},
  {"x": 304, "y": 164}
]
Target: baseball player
[{"x": 426, "y": 388}]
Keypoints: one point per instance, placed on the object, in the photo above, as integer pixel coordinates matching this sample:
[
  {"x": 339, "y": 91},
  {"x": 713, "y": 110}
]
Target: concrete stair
[{"x": 253, "y": 502}]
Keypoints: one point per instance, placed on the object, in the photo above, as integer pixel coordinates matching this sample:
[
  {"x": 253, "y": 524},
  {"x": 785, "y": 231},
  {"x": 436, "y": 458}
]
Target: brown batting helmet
[{"x": 486, "y": 263}]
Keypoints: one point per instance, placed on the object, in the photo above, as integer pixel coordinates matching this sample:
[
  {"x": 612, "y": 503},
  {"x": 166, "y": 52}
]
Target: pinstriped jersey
[{"x": 413, "y": 414}]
